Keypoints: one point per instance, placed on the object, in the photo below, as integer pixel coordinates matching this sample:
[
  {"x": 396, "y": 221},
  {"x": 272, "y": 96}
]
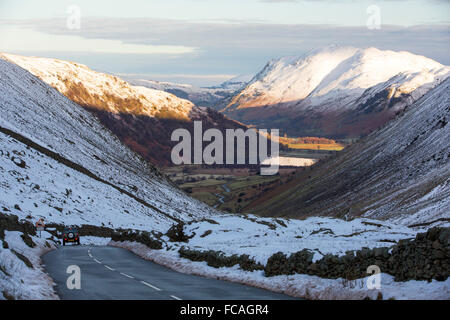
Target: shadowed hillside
[{"x": 400, "y": 172}]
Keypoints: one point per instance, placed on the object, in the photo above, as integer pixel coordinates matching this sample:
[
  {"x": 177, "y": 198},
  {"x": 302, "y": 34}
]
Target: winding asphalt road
[{"x": 116, "y": 273}]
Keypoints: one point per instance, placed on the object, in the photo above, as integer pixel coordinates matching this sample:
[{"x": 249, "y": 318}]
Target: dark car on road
[{"x": 70, "y": 234}]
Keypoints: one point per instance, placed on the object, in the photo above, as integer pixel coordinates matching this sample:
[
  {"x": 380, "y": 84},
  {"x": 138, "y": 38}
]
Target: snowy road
[{"x": 115, "y": 273}]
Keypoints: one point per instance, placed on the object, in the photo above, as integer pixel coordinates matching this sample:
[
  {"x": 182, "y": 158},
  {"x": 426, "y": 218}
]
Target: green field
[
  {"x": 229, "y": 191},
  {"x": 233, "y": 189}
]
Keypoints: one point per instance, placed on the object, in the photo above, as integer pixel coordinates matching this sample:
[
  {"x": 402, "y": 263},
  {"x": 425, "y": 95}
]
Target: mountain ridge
[
  {"x": 201, "y": 96},
  {"x": 111, "y": 93}
]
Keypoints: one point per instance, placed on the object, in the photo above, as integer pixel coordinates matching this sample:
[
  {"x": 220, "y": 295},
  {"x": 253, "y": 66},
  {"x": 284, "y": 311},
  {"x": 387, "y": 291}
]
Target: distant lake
[{"x": 290, "y": 161}]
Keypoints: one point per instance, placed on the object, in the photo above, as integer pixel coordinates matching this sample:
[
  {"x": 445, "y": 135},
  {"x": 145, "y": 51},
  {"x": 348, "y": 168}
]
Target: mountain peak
[{"x": 336, "y": 80}]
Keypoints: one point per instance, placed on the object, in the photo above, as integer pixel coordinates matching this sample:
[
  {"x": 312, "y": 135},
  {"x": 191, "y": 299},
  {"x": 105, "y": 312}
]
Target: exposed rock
[
  {"x": 143, "y": 237},
  {"x": 207, "y": 233},
  {"x": 176, "y": 233},
  {"x": 27, "y": 239},
  {"x": 7, "y": 296},
  {"x": 217, "y": 259},
  {"x": 23, "y": 258},
  {"x": 12, "y": 223}
]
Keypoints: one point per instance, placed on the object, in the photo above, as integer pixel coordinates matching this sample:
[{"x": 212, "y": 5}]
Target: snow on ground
[
  {"x": 262, "y": 237},
  {"x": 18, "y": 280},
  {"x": 47, "y": 189}
]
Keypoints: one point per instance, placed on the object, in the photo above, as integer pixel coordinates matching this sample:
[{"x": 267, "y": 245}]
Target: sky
[{"x": 205, "y": 42}]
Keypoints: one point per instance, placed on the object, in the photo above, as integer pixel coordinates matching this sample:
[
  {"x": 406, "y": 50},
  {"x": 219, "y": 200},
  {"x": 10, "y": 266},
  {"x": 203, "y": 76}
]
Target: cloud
[
  {"x": 209, "y": 79},
  {"x": 232, "y": 47},
  {"x": 11, "y": 39}
]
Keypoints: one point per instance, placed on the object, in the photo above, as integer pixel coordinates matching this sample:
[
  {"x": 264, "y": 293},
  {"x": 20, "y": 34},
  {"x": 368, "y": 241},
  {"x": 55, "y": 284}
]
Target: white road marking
[
  {"x": 126, "y": 275},
  {"x": 151, "y": 286},
  {"x": 131, "y": 277},
  {"x": 176, "y": 298}
]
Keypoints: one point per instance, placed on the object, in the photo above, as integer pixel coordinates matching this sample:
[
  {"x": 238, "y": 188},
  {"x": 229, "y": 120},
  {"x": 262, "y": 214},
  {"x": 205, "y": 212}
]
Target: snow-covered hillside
[
  {"x": 83, "y": 85},
  {"x": 58, "y": 162},
  {"x": 400, "y": 172},
  {"x": 200, "y": 96},
  {"x": 358, "y": 89}
]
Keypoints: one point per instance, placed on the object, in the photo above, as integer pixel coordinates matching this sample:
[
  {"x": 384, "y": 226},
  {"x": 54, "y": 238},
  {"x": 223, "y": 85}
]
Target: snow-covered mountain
[
  {"x": 201, "y": 96},
  {"x": 143, "y": 118},
  {"x": 336, "y": 91},
  {"x": 58, "y": 162},
  {"x": 400, "y": 172},
  {"x": 102, "y": 91}
]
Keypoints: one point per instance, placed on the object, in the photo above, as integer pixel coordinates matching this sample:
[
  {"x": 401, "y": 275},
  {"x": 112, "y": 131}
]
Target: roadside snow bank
[{"x": 21, "y": 274}]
